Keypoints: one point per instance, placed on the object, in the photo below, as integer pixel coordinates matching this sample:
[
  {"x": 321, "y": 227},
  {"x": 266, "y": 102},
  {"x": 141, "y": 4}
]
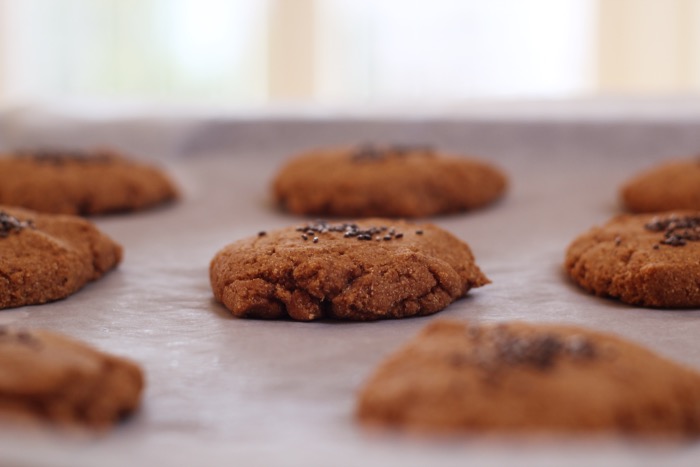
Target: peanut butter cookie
[
  {"x": 81, "y": 182},
  {"x": 518, "y": 377},
  {"x": 364, "y": 270},
  {"x": 641, "y": 259},
  {"x": 45, "y": 257},
  {"x": 46, "y": 376},
  {"x": 386, "y": 181}
]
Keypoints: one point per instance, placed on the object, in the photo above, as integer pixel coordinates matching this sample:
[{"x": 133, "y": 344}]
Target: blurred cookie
[
  {"x": 45, "y": 257},
  {"x": 49, "y": 376},
  {"x": 80, "y": 182},
  {"x": 388, "y": 181},
  {"x": 669, "y": 186},
  {"x": 641, "y": 259},
  {"x": 367, "y": 270},
  {"x": 456, "y": 377}
]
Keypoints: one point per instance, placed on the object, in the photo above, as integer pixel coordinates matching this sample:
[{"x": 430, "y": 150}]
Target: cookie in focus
[{"x": 363, "y": 270}]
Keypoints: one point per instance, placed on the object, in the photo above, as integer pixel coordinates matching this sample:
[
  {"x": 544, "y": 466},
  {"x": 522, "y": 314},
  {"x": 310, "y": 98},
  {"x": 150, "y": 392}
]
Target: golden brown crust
[
  {"x": 51, "y": 257},
  {"x": 401, "y": 270},
  {"x": 627, "y": 259},
  {"x": 456, "y": 377},
  {"x": 83, "y": 183},
  {"x": 669, "y": 186},
  {"x": 388, "y": 181},
  {"x": 48, "y": 376}
]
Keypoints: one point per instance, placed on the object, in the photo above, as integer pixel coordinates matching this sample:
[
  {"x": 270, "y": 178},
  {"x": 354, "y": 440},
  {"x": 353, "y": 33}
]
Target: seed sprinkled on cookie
[
  {"x": 10, "y": 224},
  {"x": 360, "y": 270},
  {"x": 456, "y": 377},
  {"x": 372, "y": 152},
  {"x": 678, "y": 230},
  {"x": 349, "y": 230},
  {"x": 65, "y": 156}
]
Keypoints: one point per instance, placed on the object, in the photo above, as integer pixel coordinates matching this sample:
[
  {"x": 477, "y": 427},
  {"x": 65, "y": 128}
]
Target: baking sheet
[{"x": 226, "y": 391}]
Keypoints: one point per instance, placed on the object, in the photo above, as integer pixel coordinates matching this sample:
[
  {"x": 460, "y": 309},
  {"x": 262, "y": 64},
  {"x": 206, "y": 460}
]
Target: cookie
[
  {"x": 365, "y": 270},
  {"x": 51, "y": 377},
  {"x": 672, "y": 185},
  {"x": 386, "y": 181},
  {"x": 518, "y": 377},
  {"x": 45, "y": 257},
  {"x": 81, "y": 182},
  {"x": 641, "y": 259}
]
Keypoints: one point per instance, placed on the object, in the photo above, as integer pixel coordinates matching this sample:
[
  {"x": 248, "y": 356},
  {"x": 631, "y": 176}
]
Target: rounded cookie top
[
  {"x": 48, "y": 376},
  {"x": 672, "y": 185},
  {"x": 364, "y": 270},
  {"x": 642, "y": 259},
  {"x": 80, "y": 182},
  {"x": 389, "y": 181},
  {"x": 45, "y": 257},
  {"x": 457, "y": 377}
]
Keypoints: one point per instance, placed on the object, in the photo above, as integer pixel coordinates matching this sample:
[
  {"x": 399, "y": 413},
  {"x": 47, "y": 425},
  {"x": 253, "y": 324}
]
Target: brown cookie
[
  {"x": 84, "y": 183},
  {"x": 49, "y": 376},
  {"x": 388, "y": 181},
  {"x": 517, "y": 377},
  {"x": 669, "y": 186},
  {"x": 45, "y": 257},
  {"x": 368, "y": 270},
  {"x": 641, "y": 259}
]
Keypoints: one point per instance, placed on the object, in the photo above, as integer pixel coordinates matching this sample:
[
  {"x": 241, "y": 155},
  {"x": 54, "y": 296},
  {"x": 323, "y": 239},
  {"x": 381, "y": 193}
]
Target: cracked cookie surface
[
  {"x": 386, "y": 181},
  {"x": 641, "y": 259},
  {"x": 668, "y": 186},
  {"x": 46, "y": 257},
  {"x": 515, "y": 377},
  {"x": 364, "y": 270},
  {"x": 52, "y": 377},
  {"x": 81, "y": 182}
]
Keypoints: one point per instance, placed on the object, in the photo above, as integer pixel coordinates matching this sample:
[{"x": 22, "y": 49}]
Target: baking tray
[{"x": 227, "y": 391}]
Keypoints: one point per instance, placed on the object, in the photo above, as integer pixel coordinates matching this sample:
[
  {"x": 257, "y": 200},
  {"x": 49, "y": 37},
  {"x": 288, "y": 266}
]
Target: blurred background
[{"x": 252, "y": 52}]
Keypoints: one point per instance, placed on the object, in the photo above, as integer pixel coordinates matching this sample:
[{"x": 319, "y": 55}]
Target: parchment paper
[{"x": 226, "y": 391}]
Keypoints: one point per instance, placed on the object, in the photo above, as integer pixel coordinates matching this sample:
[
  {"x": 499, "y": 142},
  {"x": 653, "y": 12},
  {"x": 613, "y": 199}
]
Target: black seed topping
[
  {"x": 371, "y": 152},
  {"x": 320, "y": 227},
  {"x": 677, "y": 230},
  {"x": 20, "y": 336},
  {"x": 540, "y": 350},
  {"x": 315, "y": 240},
  {"x": 10, "y": 224},
  {"x": 63, "y": 156},
  {"x": 419, "y": 232},
  {"x": 262, "y": 233}
]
